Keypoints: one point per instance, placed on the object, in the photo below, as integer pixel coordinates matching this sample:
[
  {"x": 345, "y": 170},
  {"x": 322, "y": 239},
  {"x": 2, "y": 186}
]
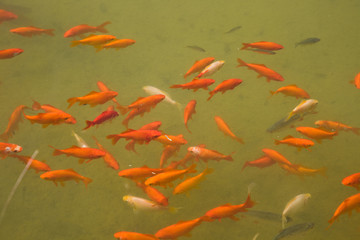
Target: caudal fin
[
  {"x": 56, "y": 151},
  {"x": 74, "y": 43},
  {"x": 101, "y": 28},
  {"x": 71, "y": 101},
  {"x": 49, "y": 32},
  {"x": 87, "y": 181},
  {"x": 211, "y": 95},
  {"x": 277, "y": 142},
  {"x": 176, "y": 86},
  {"x": 245, "y": 46},
  {"x": 88, "y": 124},
  {"x": 239, "y": 140},
  {"x": 244, "y": 166},
  {"x": 241, "y": 62},
  {"x": 355, "y": 130},
  {"x": 114, "y": 138}
]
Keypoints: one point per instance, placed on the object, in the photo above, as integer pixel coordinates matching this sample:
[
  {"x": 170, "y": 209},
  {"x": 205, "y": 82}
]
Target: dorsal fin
[
  {"x": 70, "y": 170},
  {"x": 91, "y": 93},
  {"x": 288, "y": 136}
]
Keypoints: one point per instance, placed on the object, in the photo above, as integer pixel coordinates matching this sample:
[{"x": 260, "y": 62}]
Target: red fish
[
  {"x": 171, "y": 140},
  {"x": 93, "y": 98},
  {"x": 199, "y": 65},
  {"x": 13, "y": 124},
  {"x": 140, "y": 173},
  {"x": 54, "y": 118},
  {"x": 81, "y": 153},
  {"x": 292, "y": 90},
  {"x": 168, "y": 152},
  {"x": 271, "y": 46},
  {"x": 64, "y": 175},
  {"x": 31, "y": 31},
  {"x": 94, "y": 40},
  {"x": 154, "y": 194},
  {"x": 188, "y": 112},
  {"x": 276, "y": 156},
  {"x": 262, "y": 162},
  {"x": 84, "y": 28},
  {"x": 353, "y": 181},
  {"x": 195, "y": 84},
  {"x": 262, "y": 70},
  {"x": 6, "y": 148},
  {"x": 336, "y": 126},
  {"x": 6, "y": 15},
  {"x": 109, "y": 114},
  {"x": 9, "y": 53},
  {"x": 140, "y": 136},
  {"x": 224, "y": 86},
  {"x": 134, "y": 236}
]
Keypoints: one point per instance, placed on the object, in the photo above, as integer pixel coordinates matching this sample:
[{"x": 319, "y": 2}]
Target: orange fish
[
  {"x": 225, "y": 129},
  {"x": 6, "y": 15},
  {"x": 316, "y": 133},
  {"x": 300, "y": 170},
  {"x": 154, "y": 194},
  {"x": 168, "y": 152},
  {"x": 117, "y": 44},
  {"x": 349, "y": 204},
  {"x": 199, "y": 65},
  {"x": 140, "y": 173},
  {"x": 81, "y": 153},
  {"x": 336, "y": 126},
  {"x": 108, "y": 158},
  {"x": 178, "y": 229},
  {"x": 200, "y": 152},
  {"x": 276, "y": 156},
  {"x": 133, "y": 113},
  {"x": 210, "y": 69},
  {"x": 271, "y": 46},
  {"x": 37, "y": 165},
  {"x": 6, "y": 148},
  {"x": 262, "y": 70},
  {"x": 84, "y": 28},
  {"x": 356, "y": 81},
  {"x": 134, "y": 236},
  {"x": 195, "y": 84},
  {"x": 93, "y": 98},
  {"x": 190, "y": 183},
  {"x": 140, "y": 136},
  {"x": 171, "y": 140},
  {"x": 188, "y": 112},
  {"x": 224, "y": 86},
  {"x": 262, "y": 162},
  {"x": 13, "y": 124},
  {"x": 51, "y": 109},
  {"x": 30, "y": 31},
  {"x": 353, "y": 181},
  {"x": 228, "y": 210},
  {"x": 300, "y": 143},
  {"x": 145, "y": 103},
  {"x": 53, "y": 118},
  {"x": 150, "y": 126},
  {"x": 292, "y": 90},
  {"x": 9, "y": 53},
  {"x": 104, "y": 88},
  {"x": 64, "y": 175},
  {"x": 93, "y": 40},
  {"x": 166, "y": 178}
]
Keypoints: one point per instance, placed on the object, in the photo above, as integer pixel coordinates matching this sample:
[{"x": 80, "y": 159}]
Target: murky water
[{"x": 49, "y": 71}]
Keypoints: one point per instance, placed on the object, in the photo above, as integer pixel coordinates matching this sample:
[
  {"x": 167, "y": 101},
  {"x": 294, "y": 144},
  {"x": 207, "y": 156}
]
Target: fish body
[
  {"x": 188, "y": 112},
  {"x": 93, "y": 40},
  {"x": 356, "y": 81},
  {"x": 262, "y": 162},
  {"x": 51, "y": 118},
  {"x": 6, "y": 148},
  {"x": 134, "y": 236},
  {"x": 142, "y": 204},
  {"x": 271, "y": 46},
  {"x": 84, "y": 28},
  {"x": 262, "y": 70},
  {"x": 138, "y": 135},
  {"x": 178, "y": 229},
  {"x": 146, "y": 102},
  {"x": 301, "y": 171},
  {"x": 222, "y": 125},
  {"x": 207, "y": 154},
  {"x": 336, "y": 126},
  {"x": 93, "y": 98},
  {"x": 133, "y": 113},
  {"x": 154, "y": 91},
  {"x": 305, "y": 106},
  {"x": 64, "y": 175},
  {"x": 195, "y": 84},
  {"x": 109, "y": 114},
  {"x": 308, "y": 41},
  {"x": 190, "y": 183},
  {"x": 300, "y": 143},
  {"x": 140, "y": 173},
  {"x": 13, "y": 124},
  {"x": 37, "y": 165},
  {"x": 10, "y": 53},
  {"x": 108, "y": 157},
  {"x": 31, "y": 31},
  {"x": 210, "y": 69},
  {"x": 294, "y": 205},
  {"x": 199, "y": 65},
  {"x": 117, "y": 44},
  {"x": 292, "y": 90},
  {"x": 224, "y": 86},
  {"x": 82, "y": 153},
  {"x": 276, "y": 156},
  {"x": 171, "y": 140},
  {"x": 316, "y": 133},
  {"x": 154, "y": 194},
  {"x": 102, "y": 87},
  {"x": 168, "y": 152},
  {"x": 150, "y": 126},
  {"x": 349, "y": 204},
  {"x": 6, "y": 15},
  {"x": 293, "y": 230},
  {"x": 352, "y": 180}
]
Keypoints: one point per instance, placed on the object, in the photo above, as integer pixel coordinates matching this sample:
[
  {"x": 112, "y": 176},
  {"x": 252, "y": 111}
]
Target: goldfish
[
  {"x": 305, "y": 106},
  {"x": 93, "y": 40},
  {"x": 225, "y": 86},
  {"x": 154, "y": 91},
  {"x": 226, "y": 129},
  {"x": 349, "y": 204},
  {"x": 178, "y": 229},
  {"x": 142, "y": 204},
  {"x": 150, "y": 126},
  {"x": 145, "y": 103},
  {"x": 166, "y": 178},
  {"x": 210, "y": 69},
  {"x": 108, "y": 158},
  {"x": 30, "y": 31},
  {"x": 171, "y": 140},
  {"x": 37, "y": 165},
  {"x": 93, "y": 98},
  {"x": 352, "y": 180},
  {"x": 13, "y": 123},
  {"x": 51, "y": 117},
  {"x": 262, "y": 162},
  {"x": 300, "y": 143},
  {"x": 116, "y": 44},
  {"x": 195, "y": 84},
  {"x": 64, "y": 175},
  {"x": 262, "y": 70},
  {"x": 262, "y": 51},
  {"x": 206, "y": 154},
  {"x": 316, "y": 133},
  {"x": 190, "y": 183},
  {"x": 140, "y": 173},
  {"x": 356, "y": 81},
  {"x": 9, "y": 53},
  {"x": 294, "y": 205},
  {"x": 81, "y": 153},
  {"x": 188, "y": 112},
  {"x": 84, "y": 28},
  {"x": 276, "y": 156},
  {"x": 109, "y": 114},
  {"x": 228, "y": 210},
  {"x": 154, "y": 194},
  {"x": 6, "y": 148},
  {"x": 133, "y": 113},
  {"x": 80, "y": 141},
  {"x": 6, "y": 15},
  {"x": 336, "y": 126},
  {"x": 301, "y": 171},
  {"x": 292, "y": 90},
  {"x": 104, "y": 88},
  {"x": 263, "y": 45},
  {"x": 199, "y": 65},
  {"x": 138, "y": 135},
  {"x": 134, "y": 236},
  {"x": 168, "y": 152}
]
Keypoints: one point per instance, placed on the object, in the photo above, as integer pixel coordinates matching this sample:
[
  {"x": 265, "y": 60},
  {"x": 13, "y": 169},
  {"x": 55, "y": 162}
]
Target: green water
[{"x": 50, "y": 72}]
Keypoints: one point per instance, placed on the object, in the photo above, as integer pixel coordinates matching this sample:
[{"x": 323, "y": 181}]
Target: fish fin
[
  {"x": 355, "y": 130},
  {"x": 88, "y": 124},
  {"x": 62, "y": 184},
  {"x": 211, "y": 95},
  {"x": 71, "y": 101},
  {"x": 283, "y": 220},
  {"x": 277, "y": 142},
  {"x": 45, "y": 125},
  {"x": 115, "y": 138},
  {"x": 74, "y": 43},
  {"x": 56, "y": 151},
  {"x": 241, "y": 62},
  {"x": 49, "y": 32},
  {"x": 101, "y": 27},
  {"x": 87, "y": 181},
  {"x": 288, "y": 136},
  {"x": 36, "y": 105},
  {"x": 176, "y": 86},
  {"x": 239, "y": 140},
  {"x": 234, "y": 218},
  {"x": 245, "y": 46},
  {"x": 81, "y": 161}
]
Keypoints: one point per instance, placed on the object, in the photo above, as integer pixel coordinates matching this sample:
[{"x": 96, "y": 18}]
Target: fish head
[{"x": 194, "y": 150}]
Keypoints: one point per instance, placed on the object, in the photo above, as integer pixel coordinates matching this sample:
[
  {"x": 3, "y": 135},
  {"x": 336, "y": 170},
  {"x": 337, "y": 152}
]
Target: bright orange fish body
[
  {"x": 154, "y": 194},
  {"x": 188, "y": 112},
  {"x": 225, "y": 86},
  {"x": 195, "y": 84},
  {"x": 300, "y": 170},
  {"x": 84, "y": 28},
  {"x": 316, "y": 133},
  {"x": 108, "y": 158},
  {"x": 262, "y": 70},
  {"x": 226, "y": 129},
  {"x": 228, "y": 210},
  {"x": 262, "y": 162},
  {"x": 104, "y": 88},
  {"x": 49, "y": 108},
  {"x": 37, "y": 165},
  {"x": 134, "y": 236},
  {"x": 276, "y": 156},
  {"x": 94, "y": 40},
  {"x": 292, "y": 90},
  {"x": 178, "y": 229},
  {"x": 349, "y": 204},
  {"x": 31, "y": 31},
  {"x": 6, "y": 148},
  {"x": 171, "y": 140},
  {"x": 6, "y": 16},
  {"x": 9, "y": 53},
  {"x": 353, "y": 181},
  {"x": 168, "y": 152},
  {"x": 117, "y": 44},
  {"x": 64, "y": 175},
  {"x": 13, "y": 124},
  {"x": 336, "y": 126},
  {"x": 192, "y": 182},
  {"x": 146, "y": 102},
  {"x": 199, "y": 65},
  {"x": 93, "y": 98},
  {"x": 82, "y": 153},
  {"x": 210, "y": 69},
  {"x": 133, "y": 113},
  {"x": 150, "y": 126},
  {"x": 207, "y": 154},
  {"x": 271, "y": 46},
  {"x": 54, "y": 118},
  {"x": 356, "y": 81},
  {"x": 300, "y": 143},
  {"x": 138, "y": 135},
  {"x": 140, "y": 173}
]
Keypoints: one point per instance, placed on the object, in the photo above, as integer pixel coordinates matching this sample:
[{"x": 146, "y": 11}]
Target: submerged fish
[
  {"x": 197, "y": 48},
  {"x": 270, "y": 216},
  {"x": 154, "y": 91},
  {"x": 308, "y": 41},
  {"x": 233, "y": 29},
  {"x": 295, "y": 229}
]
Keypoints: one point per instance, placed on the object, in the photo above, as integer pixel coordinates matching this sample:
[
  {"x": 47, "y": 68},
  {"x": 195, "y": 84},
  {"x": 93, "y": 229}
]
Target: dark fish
[
  {"x": 233, "y": 29},
  {"x": 197, "y": 48},
  {"x": 283, "y": 123},
  {"x": 263, "y": 51},
  {"x": 295, "y": 229},
  {"x": 308, "y": 41},
  {"x": 270, "y": 216}
]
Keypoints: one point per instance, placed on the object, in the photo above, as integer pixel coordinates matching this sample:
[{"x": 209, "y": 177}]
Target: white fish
[
  {"x": 304, "y": 107},
  {"x": 211, "y": 69},
  {"x": 153, "y": 91},
  {"x": 138, "y": 203},
  {"x": 80, "y": 142},
  {"x": 294, "y": 205}
]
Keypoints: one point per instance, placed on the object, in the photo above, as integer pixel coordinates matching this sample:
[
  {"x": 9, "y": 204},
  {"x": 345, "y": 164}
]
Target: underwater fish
[
  {"x": 13, "y": 124},
  {"x": 316, "y": 133},
  {"x": 283, "y": 123},
  {"x": 188, "y": 112},
  {"x": 276, "y": 156},
  {"x": 51, "y": 118},
  {"x": 292, "y": 90},
  {"x": 154, "y": 91},
  {"x": 108, "y": 158},
  {"x": 6, "y": 148},
  {"x": 178, "y": 229},
  {"x": 352, "y": 180},
  {"x": 307, "y": 41},
  {"x": 64, "y": 175},
  {"x": 349, "y": 204},
  {"x": 261, "y": 162},
  {"x": 153, "y": 194},
  {"x": 195, "y": 84},
  {"x": 224, "y": 86},
  {"x": 84, "y": 28},
  {"x": 262, "y": 51},
  {"x": 222, "y": 125},
  {"x": 140, "y": 173},
  {"x": 294, "y": 205},
  {"x": 210, "y": 69},
  {"x": 262, "y": 70},
  {"x": 171, "y": 139},
  {"x": 150, "y": 126},
  {"x": 93, "y": 98},
  {"x": 134, "y": 236},
  {"x": 140, "y": 136},
  {"x": 31, "y": 31},
  {"x": 293, "y": 230},
  {"x": 9, "y": 53},
  {"x": 6, "y": 15},
  {"x": 81, "y": 153},
  {"x": 142, "y": 204},
  {"x": 107, "y": 115},
  {"x": 93, "y": 40},
  {"x": 37, "y": 165},
  {"x": 200, "y": 152},
  {"x": 145, "y": 103},
  {"x": 356, "y": 81},
  {"x": 192, "y": 182},
  {"x": 197, "y": 48},
  {"x": 336, "y": 126},
  {"x": 168, "y": 152},
  {"x": 199, "y": 65},
  {"x": 233, "y": 29},
  {"x": 300, "y": 143},
  {"x": 116, "y": 44},
  {"x": 271, "y": 46},
  {"x": 305, "y": 106}
]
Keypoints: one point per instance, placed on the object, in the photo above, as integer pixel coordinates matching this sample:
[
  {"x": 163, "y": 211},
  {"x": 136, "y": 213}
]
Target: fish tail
[
  {"x": 249, "y": 203},
  {"x": 87, "y": 181},
  {"x": 176, "y": 86},
  {"x": 211, "y": 95},
  {"x": 323, "y": 171},
  {"x": 56, "y": 151},
  {"x": 49, "y": 32},
  {"x": 5, "y": 136},
  {"x": 74, "y": 43},
  {"x": 355, "y": 130},
  {"x": 192, "y": 169},
  {"x": 71, "y": 101},
  {"x": 241, "y": 62},
  {"x": 36, "y": 105},
  {"x": 114, "y": 138},
  {"x": 130, "y": 146},
  {"x": 244, "y": 166},
  {"x": 245, "y": 46},
  {"x": 239, "y": 140},
  {"x": 187, "y": 128},
  {"x": 123, "y": 110},
  {"x": 125, "y": 122},
  {"x": 101, "y": 27},
  {"x": 272, "y": 93},
  {"x": 208, "y": 171},
  {"x": 277, "y": 142},
  {"x": 207, "y": 219},
  {"x": 88, "y": 124},
  {"x": 229, "y": 157}
]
